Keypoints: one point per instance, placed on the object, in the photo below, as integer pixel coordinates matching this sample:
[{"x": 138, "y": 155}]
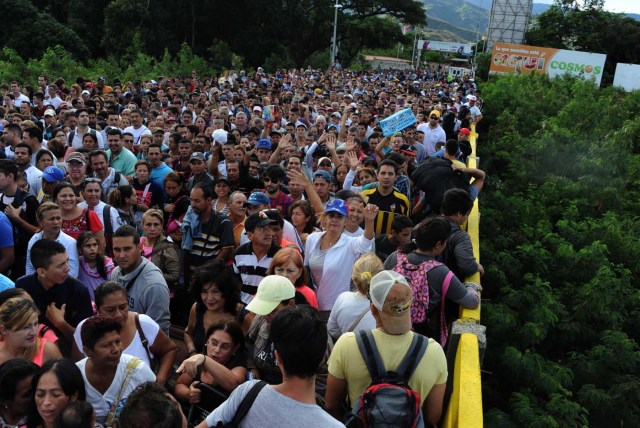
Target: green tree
[
  {"x": 587, "y": 27},
  {"x": 560, "y": 249},
  {"x": 30, "y": 32}
]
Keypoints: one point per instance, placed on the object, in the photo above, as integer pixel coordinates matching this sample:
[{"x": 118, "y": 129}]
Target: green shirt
[{"x": 124, "y": 163}]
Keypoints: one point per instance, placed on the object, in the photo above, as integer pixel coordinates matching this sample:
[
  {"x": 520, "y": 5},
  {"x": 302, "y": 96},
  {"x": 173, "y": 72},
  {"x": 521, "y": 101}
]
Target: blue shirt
[
  {"x": 5, "y": 283},
  {"x": 158, "y": 173}
]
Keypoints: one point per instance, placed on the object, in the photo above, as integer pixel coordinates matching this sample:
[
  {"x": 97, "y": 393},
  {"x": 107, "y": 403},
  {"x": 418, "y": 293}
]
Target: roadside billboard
[
  {"x": 449, "y": 47},
  {"x": 509, "y": 58},
  {"x": 627, "y": 76}
]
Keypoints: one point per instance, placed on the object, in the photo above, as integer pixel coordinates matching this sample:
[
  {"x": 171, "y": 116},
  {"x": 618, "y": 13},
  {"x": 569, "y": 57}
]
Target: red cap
[{"x": 464, "y": 131}]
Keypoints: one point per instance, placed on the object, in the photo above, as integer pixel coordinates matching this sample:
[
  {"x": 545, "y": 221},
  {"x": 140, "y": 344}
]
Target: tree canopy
[
  {"x": 560, "y": 246},
  {"x": 252, "y": 29}
]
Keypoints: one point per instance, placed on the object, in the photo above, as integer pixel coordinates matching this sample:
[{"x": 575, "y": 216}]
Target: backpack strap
[
  {"x": 247, "y": 402},
  {"x": 106, "y": 219},
  {"x": 414, "y": 355},
  {"x": 370, "y": 354},
  {"x": 444, "y": 331},
  {"x": 70, "y": 138},
  {"x": 134, "y": 279}
]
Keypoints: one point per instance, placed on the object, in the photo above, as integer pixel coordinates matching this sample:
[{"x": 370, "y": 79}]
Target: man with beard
[
  {"x": 147, "y": 290},
  {"x": 274, "y": 177},
  {"x": 75, "y": 137}
]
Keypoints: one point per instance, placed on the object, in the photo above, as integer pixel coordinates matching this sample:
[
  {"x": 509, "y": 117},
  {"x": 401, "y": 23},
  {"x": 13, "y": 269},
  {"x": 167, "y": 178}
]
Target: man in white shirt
[
  {"x": 52, "y": 97},
  {"x": 476, "y": 115},
  {"x": 137, "y": 128},
  {"x": 433, "y": 132},
  {"x": 18, "y": 97},
  {"x": 49, "y": 218}
]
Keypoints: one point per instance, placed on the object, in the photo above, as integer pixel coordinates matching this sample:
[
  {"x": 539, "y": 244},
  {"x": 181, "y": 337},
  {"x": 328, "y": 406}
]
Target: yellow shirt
[{"x": 347, "y": 363}]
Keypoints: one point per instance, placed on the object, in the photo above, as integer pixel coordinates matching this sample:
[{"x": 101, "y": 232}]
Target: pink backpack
[{"x": 416, "y": 276}]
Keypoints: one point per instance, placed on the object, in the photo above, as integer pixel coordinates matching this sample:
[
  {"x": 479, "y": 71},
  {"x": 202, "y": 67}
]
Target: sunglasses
[{"x": 92, "y": 180}]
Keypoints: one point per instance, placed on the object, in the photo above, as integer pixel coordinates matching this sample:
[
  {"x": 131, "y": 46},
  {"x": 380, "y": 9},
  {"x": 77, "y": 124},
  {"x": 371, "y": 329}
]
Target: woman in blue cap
[{"x": 330, "y": 254}]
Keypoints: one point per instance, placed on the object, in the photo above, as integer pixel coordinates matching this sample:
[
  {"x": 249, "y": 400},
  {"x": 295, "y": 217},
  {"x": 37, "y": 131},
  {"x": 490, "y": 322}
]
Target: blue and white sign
[{"x": 397, "y": 122}]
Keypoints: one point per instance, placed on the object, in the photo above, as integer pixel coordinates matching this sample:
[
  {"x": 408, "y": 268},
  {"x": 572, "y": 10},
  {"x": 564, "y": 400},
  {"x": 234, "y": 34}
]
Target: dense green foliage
[
  {"x": 561, "y": 248},
  {"x": 256, "y": 30}
]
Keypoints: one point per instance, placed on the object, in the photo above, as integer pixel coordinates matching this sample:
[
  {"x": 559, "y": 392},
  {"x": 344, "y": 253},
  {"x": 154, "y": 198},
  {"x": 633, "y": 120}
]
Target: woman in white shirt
[
  {"x": 111, "y": 301},
  {"x": 352, "y": 310},
  {"x": 330, "y": 254},
  {"x": 109, "y": 375}
]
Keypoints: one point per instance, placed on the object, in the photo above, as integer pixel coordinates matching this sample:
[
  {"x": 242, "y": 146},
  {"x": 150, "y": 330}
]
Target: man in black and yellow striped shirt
[{"x": 386, "y": 197}]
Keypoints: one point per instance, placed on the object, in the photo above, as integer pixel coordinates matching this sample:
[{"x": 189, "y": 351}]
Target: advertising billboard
[
  {"x": 627, "y": 76},
  {"x": 509, "y": 58},
  {"x": 508, "y": 21},
  {"x": 449, "y": 47}
]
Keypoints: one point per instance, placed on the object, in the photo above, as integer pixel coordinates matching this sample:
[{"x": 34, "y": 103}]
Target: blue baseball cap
[
  {"x": 263, "y": 143},
  {"x": 258, "y": 198},
  {"x": 52, "y": 174},
  {"x": 321, "y": 173},
  {"x": 337, "y": 206}
]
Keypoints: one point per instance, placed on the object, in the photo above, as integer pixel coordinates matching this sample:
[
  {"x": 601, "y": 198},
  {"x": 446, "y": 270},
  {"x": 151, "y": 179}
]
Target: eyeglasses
[{"x": 224, "y": 346}]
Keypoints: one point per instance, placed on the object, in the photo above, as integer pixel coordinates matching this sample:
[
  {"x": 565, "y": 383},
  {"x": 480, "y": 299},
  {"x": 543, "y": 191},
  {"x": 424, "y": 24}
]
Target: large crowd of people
[{"x": 268, "y": 215}]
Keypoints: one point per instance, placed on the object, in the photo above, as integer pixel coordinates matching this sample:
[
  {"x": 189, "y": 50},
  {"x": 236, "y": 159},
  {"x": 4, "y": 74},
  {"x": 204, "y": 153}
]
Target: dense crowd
[{"x": 267, "y": 214}]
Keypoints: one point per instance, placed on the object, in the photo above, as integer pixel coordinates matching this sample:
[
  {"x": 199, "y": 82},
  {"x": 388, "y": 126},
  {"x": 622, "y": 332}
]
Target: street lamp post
[{"x": 335, "y": 35}]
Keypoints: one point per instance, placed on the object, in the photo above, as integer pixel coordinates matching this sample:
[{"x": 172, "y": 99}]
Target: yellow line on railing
[
  {"x": 465, "y": 404},
  {"x": 465, "y": 407}
]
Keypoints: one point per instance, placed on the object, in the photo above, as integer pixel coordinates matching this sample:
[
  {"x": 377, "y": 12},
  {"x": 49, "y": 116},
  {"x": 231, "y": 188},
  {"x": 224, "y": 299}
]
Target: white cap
[{"x": 219, "y": 136}]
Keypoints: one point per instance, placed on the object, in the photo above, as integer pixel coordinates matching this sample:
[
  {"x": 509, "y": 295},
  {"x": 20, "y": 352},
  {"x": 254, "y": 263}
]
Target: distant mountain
[
  {"x": 459, "y": 18},
  {"x": 539, "y": 8},
  {"x": 461, "y": 21}
]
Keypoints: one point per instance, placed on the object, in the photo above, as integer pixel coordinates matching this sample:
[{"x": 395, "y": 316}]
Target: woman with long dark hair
[
  {"x": 429, "y": 243},
  {"x": 223, "y": 364},
  {"x": 55, "y": 385},
  {"x": 15, "y": 391},
  {"x": 217, "y": 294}
]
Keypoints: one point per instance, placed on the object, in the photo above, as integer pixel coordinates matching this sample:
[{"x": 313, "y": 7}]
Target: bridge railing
[{"x": 467, "y": 341}]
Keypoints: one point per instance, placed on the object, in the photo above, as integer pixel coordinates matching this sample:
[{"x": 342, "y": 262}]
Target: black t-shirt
[
  {"x": 72, "y": 292},
  {"x": 384, "y": 247}
]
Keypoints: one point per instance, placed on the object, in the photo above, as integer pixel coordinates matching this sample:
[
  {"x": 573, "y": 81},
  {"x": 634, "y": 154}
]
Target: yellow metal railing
[{"x": 465, "y": 404}]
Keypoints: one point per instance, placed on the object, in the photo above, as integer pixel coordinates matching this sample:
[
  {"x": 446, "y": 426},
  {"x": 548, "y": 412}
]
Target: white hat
[
  {"x": 219, "y": 136},
  {"x": 392, "y": 296}
]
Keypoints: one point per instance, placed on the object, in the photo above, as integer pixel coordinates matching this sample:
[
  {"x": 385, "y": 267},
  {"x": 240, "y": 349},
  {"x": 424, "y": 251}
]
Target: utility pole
[{"x": 335, "y": 36}]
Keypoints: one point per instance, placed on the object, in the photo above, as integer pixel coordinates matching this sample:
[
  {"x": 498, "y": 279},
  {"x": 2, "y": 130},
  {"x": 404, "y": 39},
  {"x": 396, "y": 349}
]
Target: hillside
[{"x": 463, "y": 19}]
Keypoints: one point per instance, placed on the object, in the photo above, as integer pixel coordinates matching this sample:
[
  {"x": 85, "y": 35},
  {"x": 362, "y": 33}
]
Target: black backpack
[
  {"x": 434, "y": 176},
  {"x": 388, "y": 401}
]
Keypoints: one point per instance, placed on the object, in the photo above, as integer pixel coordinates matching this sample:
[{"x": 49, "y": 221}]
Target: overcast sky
[{"x": 627, "y": 6}]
